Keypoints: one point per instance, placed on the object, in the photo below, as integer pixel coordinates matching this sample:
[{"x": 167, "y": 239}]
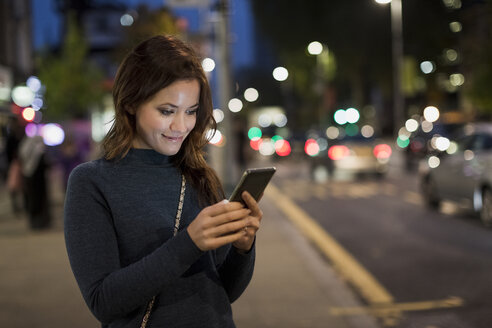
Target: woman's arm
[
  {"x": 237, "y": 269},
  {"x": 110, "y": 290}
]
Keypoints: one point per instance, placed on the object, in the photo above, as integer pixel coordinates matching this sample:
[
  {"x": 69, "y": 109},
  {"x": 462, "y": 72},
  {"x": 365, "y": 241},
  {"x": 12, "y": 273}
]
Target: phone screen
[{"x": 253, "y": 181}]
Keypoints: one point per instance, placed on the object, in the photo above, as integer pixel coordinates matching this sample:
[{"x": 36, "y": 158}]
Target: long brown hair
[{"x": 151, "y": 66}]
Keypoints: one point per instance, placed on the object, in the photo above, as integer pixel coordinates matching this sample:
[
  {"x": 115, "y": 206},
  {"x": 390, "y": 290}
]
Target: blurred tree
[
  {"x": 146, "y": 23},
  {"x": 476, "y": 46},
  {"x": 73, "y": 85}
]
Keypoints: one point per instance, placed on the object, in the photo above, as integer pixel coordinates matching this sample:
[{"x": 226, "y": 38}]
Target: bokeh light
[
  {"x": 33, "y": 83},
  {"x": 352, "y": 115},
  {"x": 53, "y": 134},
  {"x": 315, "y": 48},
  {"x": 255, "y": 143},
  {"x": 311, "y": 147},
  {"x": 427, "y": 67},
  {"x": 427, "y": 126},
  {"x": 126, "y": 20},
  {"x": 28, "y": 114},
  {"x": 267, "y": 147},
  {"x": 282, "y": 148},
  {"x": 457, "y": 79},
  {"x": 22, "y": 96},
  {"x": 332, "y": 132},
  {"x": 433, "y": 162},
  {"x": 235, "y": 105},
  {"x": 338, "y": 152},
  {"x": 340, "y": 117},
  {"x": 455, "y": 27},
  {"x": 382, "y": 151},
  {"x": 265, "y": 120},
  {"x": 280, "y": 73},
  {"x": 402, "y": 141},
  {"x": 31, "y": 129},
  {"x": 280, "y": 120},
  {"x": 441, "y": 143},
  {"x": 218, "y": 115},
  {"x": 351, "y": 130},
  {"x": 453, "y": 148},
  {"x": 251, "y": 94},
  {"x": 254, "y": 133},
  {"x": 208, "y": 64},
  {"x": 431, "y": 114},
  {"x": 411, "y": 125},
  {"x": 367, "y": 131}
]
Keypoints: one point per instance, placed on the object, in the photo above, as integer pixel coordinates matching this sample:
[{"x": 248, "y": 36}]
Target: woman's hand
[
  {"x": 221, "y": 224},
  {"x": 245, "y": 242}
]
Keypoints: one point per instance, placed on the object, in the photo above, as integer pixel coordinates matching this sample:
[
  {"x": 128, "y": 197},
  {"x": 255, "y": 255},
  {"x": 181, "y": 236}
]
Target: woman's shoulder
[{"x": 91, "y": 169}]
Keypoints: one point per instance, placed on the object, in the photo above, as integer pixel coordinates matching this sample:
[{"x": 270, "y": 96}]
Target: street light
[{"x": 397, "y": 54}]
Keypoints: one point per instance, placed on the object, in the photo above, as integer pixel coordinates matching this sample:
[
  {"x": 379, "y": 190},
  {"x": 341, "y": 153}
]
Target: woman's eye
[
  {"x": 192, "y": 111},
  {"x": 165, "y": 112}
]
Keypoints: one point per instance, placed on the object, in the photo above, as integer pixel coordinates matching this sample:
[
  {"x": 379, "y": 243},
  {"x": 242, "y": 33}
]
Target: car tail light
[
  {"x": 382, "y": 151},
  {"x": 311, "y": 147},
  {"x": 338, "y": 152}
]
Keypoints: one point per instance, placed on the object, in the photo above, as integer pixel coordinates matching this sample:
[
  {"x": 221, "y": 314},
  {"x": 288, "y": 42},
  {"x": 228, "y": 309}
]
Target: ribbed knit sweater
[{"x": 119, "y": 218}]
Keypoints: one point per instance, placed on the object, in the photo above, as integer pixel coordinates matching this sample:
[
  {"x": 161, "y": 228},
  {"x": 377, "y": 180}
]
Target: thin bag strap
[{"x": 146, "y": 317}]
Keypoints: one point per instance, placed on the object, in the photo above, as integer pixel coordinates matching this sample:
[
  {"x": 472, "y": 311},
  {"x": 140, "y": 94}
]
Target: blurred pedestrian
[
  {"x": 32, "y": 157},
  {"x": 148, "y": 236},
  {"x": 70, "y": 157},
  {"x": 14, "y": 135}
]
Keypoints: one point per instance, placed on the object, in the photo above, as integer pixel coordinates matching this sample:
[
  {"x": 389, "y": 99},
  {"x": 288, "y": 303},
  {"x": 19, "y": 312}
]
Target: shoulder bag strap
[{"x": 176, "y": 228}]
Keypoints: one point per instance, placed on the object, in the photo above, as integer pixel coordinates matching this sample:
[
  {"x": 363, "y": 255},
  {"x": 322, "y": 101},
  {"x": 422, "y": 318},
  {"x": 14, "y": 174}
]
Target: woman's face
[{"x": 164, "y": 122}]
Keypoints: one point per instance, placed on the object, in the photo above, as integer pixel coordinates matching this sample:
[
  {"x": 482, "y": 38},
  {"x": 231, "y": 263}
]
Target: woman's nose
[{"x": 178, "y": 124}]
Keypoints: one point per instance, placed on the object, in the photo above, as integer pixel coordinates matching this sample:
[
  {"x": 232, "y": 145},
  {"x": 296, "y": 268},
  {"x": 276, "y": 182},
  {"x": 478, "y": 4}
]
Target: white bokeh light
[
  {"x": 280, "y": 74},
  {"x": 280, "y": 120},
  {"x": 352, "y": 115},
  {"x": 235, "y": 105},
  {"x": 251, "y": 94},
  {"x": 53, "y": 134},
  {"x": 208, "y": 64},
  {"x": 315, "y": 48},
  {"x": 126, "y": 20},
  {"x": 431, "y": 113},
  {"x": 267, "y": 147},
  {"x": 433, "y": 162},
  {"x": 22, "y": 96},
  {"x": 218, "y": 115},
  {"x": 265, "y": 120},
  {"x": 427, "y": 67},
  {"x": 340, "y": 116},
  {"x": 411, "y": 125}
]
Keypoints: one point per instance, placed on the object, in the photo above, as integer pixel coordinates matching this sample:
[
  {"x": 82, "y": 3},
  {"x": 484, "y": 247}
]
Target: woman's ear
[{"x": 130, "y": 110}]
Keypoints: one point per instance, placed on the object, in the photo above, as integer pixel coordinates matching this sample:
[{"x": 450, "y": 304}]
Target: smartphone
[{"x": 254, "y": 181}]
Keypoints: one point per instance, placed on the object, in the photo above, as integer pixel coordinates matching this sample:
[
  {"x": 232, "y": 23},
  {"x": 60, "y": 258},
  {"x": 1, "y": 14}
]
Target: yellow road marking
[
  {"x": 398, "y": 307},
  {"x": 381, "y": 301},
  {"x": 355, "y": 273}
]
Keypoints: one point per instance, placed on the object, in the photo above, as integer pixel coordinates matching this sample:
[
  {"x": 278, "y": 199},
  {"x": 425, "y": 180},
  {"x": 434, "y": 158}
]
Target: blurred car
[
  {"x": 355, "y": 155},
  {"x": 420, "y": 142},
  {"x": 465, "y": 175}
]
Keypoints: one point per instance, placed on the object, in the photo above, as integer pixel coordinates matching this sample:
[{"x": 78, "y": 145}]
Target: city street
[
  {"x": 431, "y": 268},
  {"x": 343, "y": 253}
]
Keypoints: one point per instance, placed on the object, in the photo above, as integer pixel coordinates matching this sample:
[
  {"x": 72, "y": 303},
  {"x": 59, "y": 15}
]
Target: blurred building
[
  {"x": 16, "y": 54},
  {"x": 100, "y": 23}
]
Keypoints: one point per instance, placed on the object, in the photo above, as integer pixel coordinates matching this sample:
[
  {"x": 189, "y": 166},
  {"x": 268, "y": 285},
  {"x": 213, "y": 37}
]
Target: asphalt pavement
[{"x": 293, "y": 285}]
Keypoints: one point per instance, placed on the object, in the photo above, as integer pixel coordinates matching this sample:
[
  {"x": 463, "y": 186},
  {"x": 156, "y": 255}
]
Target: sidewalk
[{"x": 293, "y": 286}]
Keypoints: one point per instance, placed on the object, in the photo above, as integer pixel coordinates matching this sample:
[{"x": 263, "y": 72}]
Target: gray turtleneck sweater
[{"x": 119, "y": 218}]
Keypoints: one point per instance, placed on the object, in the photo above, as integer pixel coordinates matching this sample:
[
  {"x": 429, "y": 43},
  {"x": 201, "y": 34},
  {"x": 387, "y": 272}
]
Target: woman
[{"x": 120, "y": 210}]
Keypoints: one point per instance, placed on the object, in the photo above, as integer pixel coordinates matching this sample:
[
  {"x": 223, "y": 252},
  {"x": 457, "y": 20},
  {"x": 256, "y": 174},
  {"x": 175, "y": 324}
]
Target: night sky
[{"x": 46, "y": 25}]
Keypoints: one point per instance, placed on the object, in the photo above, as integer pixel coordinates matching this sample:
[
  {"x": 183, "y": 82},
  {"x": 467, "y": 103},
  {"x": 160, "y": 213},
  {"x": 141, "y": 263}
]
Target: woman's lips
[{"x": 174, "y": 139}]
